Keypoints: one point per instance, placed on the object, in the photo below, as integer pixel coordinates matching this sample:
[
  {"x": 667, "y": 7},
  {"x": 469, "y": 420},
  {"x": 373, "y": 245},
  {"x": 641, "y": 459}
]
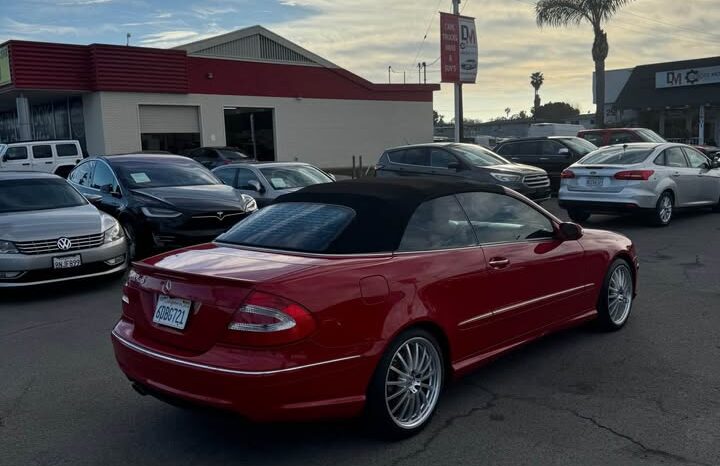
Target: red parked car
[
  {"x": 364, "y": 297},
  {"x": 610, "y": 136}
]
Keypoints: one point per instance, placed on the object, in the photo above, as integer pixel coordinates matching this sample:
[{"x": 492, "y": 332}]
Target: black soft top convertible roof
[{"x": 383, "y": 207}]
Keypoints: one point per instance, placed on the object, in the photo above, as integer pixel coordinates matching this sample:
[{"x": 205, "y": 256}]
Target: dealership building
[
  {"x": 250, "y": 88},
  {"x": 680, "y": 100}
]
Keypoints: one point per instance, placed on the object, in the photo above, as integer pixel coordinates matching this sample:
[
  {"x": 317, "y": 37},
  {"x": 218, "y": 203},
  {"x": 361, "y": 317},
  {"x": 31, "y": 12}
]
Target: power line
[
  {"x": 427, "y": 31},
  {"x": 464, "y": 5}
]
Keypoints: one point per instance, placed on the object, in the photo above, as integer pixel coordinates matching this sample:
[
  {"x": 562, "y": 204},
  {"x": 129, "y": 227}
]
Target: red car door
[
  {"x": 537, "y": 279},
  {"x": 445, "y": 270}
]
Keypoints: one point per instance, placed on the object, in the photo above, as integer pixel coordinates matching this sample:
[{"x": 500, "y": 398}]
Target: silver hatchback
[
  {"x": 655, "y": 178},
  {"x": 49, "y": 232}
]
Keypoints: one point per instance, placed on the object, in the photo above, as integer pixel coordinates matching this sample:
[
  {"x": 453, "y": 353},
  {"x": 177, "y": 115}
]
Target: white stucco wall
[{"x": 324, "y": 132}]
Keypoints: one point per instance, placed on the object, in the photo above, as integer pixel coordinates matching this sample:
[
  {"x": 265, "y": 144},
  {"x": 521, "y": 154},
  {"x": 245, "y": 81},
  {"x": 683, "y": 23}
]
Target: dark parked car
[
  {"x": 553, "y": 153},
  {"x": 161, "y": 201},
  {"x": 213, "y": 157},
  {"x": 610, "y": 136},
  {"x": 464, "y": 161},
  {"x": 266, "y": 181}
]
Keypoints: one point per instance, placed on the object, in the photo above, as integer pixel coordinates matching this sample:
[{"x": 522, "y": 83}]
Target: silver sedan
[
  {"x": 654, "y": 178},
  {"x": 49, "y": 232}
]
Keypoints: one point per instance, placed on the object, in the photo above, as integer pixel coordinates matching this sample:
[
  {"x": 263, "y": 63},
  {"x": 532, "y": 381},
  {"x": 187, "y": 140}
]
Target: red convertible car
[{"x": 363, "y": 297}]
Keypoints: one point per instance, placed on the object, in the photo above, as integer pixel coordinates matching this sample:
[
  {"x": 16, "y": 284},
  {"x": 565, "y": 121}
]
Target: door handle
[
  {"x": 25, "y": 164},
  {"x": 544, "y": 158},
  {"x": 676, "y": 174},
  {"x": 499, "y": 262},
  {"x": 48, "y": 163}
]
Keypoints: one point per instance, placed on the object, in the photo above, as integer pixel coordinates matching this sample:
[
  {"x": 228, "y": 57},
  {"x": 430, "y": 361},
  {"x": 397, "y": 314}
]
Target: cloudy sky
[{"x": 367, "y": 36}]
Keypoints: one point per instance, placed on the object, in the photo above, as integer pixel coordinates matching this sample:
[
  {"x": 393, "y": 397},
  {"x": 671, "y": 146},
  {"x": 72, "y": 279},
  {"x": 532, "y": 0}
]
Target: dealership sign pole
[{"x": 458, "y": 57}]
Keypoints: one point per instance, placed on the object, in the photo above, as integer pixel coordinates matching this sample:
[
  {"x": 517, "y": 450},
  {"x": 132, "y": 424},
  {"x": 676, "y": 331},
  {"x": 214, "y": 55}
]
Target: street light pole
[{"x": 458, "y": 91}]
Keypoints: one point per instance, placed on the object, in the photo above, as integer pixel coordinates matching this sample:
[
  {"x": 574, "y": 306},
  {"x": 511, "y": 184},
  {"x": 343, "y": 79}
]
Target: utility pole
[
  {"x": 404, "y": 82},
  {"x": 424, "y": 65},
  {"x": 127, "y": 39},
  {"x": 458, "y": 91},
  {"x": 419, "y": 76},
  {"x": 389, "y": 71}
]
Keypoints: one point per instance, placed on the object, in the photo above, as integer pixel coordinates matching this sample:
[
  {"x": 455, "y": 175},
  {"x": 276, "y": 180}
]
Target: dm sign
[
  {"x": 5, "y": 77},
  {"x": 690, "y": 77},
  {"x": 458, "y": 49}
]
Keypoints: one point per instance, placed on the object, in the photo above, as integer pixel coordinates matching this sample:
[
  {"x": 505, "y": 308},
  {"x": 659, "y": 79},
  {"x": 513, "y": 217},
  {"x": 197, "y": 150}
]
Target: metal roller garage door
[{"x": 169, "y": 119}]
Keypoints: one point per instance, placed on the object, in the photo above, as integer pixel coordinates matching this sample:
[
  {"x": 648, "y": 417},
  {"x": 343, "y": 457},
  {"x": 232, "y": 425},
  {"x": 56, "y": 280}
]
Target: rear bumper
[
  {"x": 323, "y": 389},
  {"x": 626, "y": 200}
]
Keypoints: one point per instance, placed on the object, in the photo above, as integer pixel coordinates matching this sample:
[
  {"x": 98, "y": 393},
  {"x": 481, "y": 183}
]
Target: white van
[
  {"x": 539, "y": 130},
  {"x": 58, "y": 157}
]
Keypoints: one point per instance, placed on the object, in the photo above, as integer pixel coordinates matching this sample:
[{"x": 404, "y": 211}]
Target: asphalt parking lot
[{"x": 649, "y": 394}]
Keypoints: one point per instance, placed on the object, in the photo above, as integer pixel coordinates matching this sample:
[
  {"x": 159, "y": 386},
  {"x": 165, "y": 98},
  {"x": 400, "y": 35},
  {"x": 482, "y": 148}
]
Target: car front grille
[
  {"x": 50, "y": 245},
  {"x": 536, "y": 181}
]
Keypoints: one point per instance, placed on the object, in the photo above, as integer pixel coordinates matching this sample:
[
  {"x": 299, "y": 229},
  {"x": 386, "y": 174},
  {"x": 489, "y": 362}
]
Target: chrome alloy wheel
[
  {"x": 620, "y": 294},
  {"x": 413, "y": 382},
  {"x": 666, "y": 208}
]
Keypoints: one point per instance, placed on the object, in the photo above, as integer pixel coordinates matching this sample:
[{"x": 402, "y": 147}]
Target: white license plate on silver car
[
  {"x": 67, "y": 262},
  {"x": 172, "y": 312},
  {"x": 595, "y": 181}
]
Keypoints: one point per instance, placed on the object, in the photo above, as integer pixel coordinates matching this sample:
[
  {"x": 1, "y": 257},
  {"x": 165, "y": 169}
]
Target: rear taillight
[
  {"x": 268, "y": 320},
  {"x": 643, "y": 175},
  {"x": 567, "y": 174}
]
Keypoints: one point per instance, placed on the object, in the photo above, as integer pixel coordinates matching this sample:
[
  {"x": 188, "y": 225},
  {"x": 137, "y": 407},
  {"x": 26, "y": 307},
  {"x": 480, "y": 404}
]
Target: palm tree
[
  {"x": 536, "y": 81},
  {"x": 559, "y": 13},
  {"x": 507, "y": 112}
]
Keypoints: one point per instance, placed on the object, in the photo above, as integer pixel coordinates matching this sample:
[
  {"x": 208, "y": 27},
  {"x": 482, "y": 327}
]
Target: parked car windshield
[
  {"x": 37, "y": 194},
  {"x": 293, "y": 177},
  {"x": 233, "y": 155},
  {"x": 580, "y": 145},
  {"x": 138, "y": 174},
  {"x": 650, "y": 135},
  {"x": 294, "y": 226},
  {"x": 478, "y": 156},
  {"x": 617, "y": 155}
]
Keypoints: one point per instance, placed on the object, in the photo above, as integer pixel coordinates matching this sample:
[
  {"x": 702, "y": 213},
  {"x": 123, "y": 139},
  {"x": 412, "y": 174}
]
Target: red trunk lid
[{"x": 215, "y": 279}]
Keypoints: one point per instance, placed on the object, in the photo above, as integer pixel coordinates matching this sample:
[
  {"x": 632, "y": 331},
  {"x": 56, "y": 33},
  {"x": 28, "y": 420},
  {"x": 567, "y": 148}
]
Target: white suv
[{"x": 57, "y": 157}]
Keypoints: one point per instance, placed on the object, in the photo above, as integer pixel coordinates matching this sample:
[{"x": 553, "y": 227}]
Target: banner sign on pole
[{"x": 458, "y": 49}]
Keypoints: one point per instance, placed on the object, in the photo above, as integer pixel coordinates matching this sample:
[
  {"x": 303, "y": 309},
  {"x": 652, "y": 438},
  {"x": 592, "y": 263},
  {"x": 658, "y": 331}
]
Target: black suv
[
  {"x": 553, "y": 153},
  {"x": 213, "y": 157},
  {"x": 464, "y": 161}
]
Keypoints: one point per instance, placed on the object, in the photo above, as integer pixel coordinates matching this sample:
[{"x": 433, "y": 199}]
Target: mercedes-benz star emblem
[
  {"x": 167, "y": 286},
  {"x": 64, "y": 244}
]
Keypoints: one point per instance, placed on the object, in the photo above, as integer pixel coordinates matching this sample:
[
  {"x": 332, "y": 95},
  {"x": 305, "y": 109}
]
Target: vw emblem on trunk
[
  {"x": 64, "y": 244},
  {"x": 167, "y": 286}
]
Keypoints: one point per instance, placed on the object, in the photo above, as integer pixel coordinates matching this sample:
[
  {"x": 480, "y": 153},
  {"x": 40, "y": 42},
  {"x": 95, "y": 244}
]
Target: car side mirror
[
  {"x": 715, "y": 163},
  {"x": 454, "y": 166},
  {"x": 570, "y": 231},
  {"x": 256, "y": 186},
  {"x": 93, "y": 198}
]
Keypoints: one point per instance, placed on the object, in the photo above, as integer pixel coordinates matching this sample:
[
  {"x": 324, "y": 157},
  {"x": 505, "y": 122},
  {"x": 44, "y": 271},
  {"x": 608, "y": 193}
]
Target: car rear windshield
[
  {"x": 478, "y": 156},
  {"x": 580, "y": 145},
  {"x": 293, "y": 177},
  {"x": 291, "y": 226},
  {"x": 138, "y": 174},
  {"x": 233, "y": 155},
  {"x": 38, "y": 194},
  {"x": 617, "y": 156},
  {"x": 650, "y": 135}
]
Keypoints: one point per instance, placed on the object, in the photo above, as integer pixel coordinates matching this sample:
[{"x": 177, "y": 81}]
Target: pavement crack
[
  {"x": 642, "y": 446},
  {"x": 447, "y": 424},
  {"x": 35, "y": 326}
]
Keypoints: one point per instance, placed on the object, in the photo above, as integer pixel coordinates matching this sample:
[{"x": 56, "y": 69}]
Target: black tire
[
  {"x": 609, "y": 317},
  {"x": 578, "y": 215},
  {"x": 379, "y": 419},
  {"x": 659, "y": 216}
]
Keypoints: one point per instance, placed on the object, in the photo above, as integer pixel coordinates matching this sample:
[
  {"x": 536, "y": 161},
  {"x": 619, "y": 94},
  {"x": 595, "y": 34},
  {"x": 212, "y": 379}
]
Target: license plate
[
  {"x": 67, "y": 262},
  {"x": 595, "y": 181},
  {"x": 172, "y": 312}
]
